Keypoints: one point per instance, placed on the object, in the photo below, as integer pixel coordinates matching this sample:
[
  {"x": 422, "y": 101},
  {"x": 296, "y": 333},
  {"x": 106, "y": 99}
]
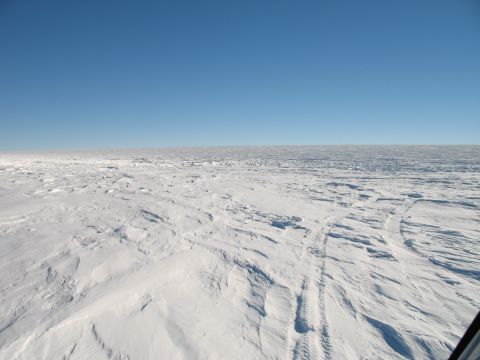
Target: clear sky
[{"x": 101, "y": 74}]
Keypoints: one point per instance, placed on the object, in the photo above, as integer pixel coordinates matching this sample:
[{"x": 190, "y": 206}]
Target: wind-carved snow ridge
[
  {"x": 298, "y": 252},
  {"x": 392, "y": 337}
]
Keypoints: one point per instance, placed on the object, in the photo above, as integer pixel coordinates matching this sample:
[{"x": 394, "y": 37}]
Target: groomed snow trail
[{"x": 321, "y": 252}]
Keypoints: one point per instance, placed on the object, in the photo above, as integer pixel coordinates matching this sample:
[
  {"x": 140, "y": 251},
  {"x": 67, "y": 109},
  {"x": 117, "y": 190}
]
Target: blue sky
[{"x": 101, "y": 74}]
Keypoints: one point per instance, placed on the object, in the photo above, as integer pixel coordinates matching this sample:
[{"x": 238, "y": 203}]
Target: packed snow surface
[{"x": 330, "y": 252}]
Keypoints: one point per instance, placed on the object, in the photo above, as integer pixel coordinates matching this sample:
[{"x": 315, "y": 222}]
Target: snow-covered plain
[{"x": 318, "y": 252}]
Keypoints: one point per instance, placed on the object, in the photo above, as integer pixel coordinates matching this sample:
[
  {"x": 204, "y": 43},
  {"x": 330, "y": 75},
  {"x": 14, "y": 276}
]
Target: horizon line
[{"x": 85, "y": 149}]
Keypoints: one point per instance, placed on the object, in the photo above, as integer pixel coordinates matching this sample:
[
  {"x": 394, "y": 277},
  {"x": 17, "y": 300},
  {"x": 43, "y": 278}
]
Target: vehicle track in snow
[
  {"x": 323, "y": 237},
  {"x": 396, "y": 239},
  {"x": 311, "y": 322}
]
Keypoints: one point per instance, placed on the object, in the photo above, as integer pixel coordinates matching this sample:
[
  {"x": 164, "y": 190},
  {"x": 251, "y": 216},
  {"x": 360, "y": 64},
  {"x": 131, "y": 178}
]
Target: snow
[{"x": 321, "y": 252}]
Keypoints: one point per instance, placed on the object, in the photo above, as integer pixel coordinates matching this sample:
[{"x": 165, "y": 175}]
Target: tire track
[
  {"x": 311, "y": 323},
  {"x": 324, "y": 330},
  {"x": 393, "y": 231},
  {"x": 394, "y": 238},
  {"x": 305, "y": 313}
]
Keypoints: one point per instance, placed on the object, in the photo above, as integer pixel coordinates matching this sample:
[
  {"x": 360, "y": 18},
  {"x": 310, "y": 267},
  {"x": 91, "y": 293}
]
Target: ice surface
[{"x": 239, "y": 253}]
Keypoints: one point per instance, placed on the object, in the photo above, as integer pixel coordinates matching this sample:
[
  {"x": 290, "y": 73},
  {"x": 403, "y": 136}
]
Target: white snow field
[{"x": 322, "y": 252}]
